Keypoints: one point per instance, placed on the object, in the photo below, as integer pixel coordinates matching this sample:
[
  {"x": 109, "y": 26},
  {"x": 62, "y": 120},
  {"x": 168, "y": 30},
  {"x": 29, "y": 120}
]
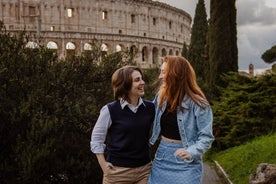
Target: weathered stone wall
[{"x": 155, "y": 29}]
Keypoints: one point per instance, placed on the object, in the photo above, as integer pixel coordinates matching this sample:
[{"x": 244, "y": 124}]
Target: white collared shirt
[
  {"x": 97, "y": 143},
  {"x": 133, "y": 108}
]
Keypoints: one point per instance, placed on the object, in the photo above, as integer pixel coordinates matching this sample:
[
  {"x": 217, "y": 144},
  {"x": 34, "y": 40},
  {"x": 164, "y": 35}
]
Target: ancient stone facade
[{"x": 151, "y": 28}]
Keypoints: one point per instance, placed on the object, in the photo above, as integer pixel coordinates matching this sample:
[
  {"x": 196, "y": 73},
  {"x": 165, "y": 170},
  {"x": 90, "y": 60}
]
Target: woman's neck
[{"x": 134, "y": 101}]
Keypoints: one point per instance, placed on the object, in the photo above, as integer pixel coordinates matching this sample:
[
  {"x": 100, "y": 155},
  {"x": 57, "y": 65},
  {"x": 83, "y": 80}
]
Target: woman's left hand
[{"x": 182, "y": 153}]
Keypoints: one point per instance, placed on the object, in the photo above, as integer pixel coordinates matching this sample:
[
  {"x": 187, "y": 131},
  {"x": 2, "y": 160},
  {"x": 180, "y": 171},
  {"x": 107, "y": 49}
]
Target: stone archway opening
[
  {"x": 52, "y": 46},
  {"x": 87, "y": 47},
  {"x": 132, "y": 53},
  {"x": 118, "y": 48},
  {"x": 145, "y": 54},
  {"x": 164, "y": 52},
  {"x": 70, "y": 49},
  {"x": 104, "y": 50},
  {"x": 154, "y": 56}
]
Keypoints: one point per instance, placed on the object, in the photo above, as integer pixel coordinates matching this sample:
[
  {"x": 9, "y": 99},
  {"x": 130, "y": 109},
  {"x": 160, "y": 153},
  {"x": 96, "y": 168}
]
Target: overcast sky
[{"x": 256, "y": 20}]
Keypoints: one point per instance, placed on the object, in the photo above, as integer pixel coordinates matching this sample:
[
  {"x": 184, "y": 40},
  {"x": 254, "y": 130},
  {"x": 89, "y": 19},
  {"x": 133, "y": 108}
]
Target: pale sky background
[{"x": 256, "y": 21}]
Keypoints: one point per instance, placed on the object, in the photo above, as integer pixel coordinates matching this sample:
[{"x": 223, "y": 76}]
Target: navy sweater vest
[{"x": 128, "y": 135}]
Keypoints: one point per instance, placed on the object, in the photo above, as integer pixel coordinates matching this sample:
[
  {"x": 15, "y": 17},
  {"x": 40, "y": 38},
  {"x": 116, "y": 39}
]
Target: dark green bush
[
  {"x": 48, "y": 108},
  {"x": 246, "y": 110}
]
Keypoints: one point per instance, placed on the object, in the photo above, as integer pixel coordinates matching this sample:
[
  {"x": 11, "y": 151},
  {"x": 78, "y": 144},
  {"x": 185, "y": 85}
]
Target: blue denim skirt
[{"x": 168, "y": 169}]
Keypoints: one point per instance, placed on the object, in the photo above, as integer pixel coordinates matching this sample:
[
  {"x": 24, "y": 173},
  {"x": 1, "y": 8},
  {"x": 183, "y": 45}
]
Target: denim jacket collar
[{"x": 185, "y": 103}]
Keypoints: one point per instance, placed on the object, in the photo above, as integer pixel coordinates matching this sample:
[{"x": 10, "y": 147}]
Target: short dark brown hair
[{"x": 122, "y": 81}]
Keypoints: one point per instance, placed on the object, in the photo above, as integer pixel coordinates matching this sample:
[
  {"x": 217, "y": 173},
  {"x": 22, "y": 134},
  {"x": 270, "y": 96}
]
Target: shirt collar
[{"x": 125, "y": 103}]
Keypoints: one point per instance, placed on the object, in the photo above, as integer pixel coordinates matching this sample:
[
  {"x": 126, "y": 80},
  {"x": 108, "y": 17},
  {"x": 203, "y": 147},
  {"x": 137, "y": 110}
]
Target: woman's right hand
[
  {"x": 107, "y": 166},
  {"x": 103, "y": 163}
]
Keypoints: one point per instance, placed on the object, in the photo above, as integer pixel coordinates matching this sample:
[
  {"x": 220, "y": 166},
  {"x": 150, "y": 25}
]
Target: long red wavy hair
[{"x": 180, "y": 79}]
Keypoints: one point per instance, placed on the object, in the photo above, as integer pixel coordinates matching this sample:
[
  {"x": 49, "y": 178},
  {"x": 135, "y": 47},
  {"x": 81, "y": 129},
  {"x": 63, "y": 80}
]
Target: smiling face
[
  {"x": 137, "y": 87},
  {"x": 162, "y": 72}
]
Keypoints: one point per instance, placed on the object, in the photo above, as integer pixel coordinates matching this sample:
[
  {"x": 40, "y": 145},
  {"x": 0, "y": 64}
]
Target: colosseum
[{"x": 151, "y": 28}]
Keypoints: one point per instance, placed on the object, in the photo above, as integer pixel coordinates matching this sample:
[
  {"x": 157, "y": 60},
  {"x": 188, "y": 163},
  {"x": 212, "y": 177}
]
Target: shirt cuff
[{"x": 97, "y": 148}]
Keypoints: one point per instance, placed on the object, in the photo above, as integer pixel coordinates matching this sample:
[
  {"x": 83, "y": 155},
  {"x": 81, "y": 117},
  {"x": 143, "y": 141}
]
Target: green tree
[
  {"x": 184, "y": 51},
  {"x": 197, "y": 53},
  {"x": 269, "y": 56},
  {"x": 48, "y": 108},
  {"x": 245, "y": 110},
  {"x": 223, "y": 51}
]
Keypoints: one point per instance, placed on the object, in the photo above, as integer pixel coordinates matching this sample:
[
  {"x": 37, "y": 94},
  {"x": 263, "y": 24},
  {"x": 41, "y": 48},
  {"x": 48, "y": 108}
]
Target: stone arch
[
  {"x": 87, "y": 47},
  {"x": 70, "y": 46},
  {"x": 133, "y": 50},
  {"x": 118, "y": 48},
  {"x": 144, "y": 54},
  {"x": 52, "y": 45},
  {"x": 170, "y": 52},
  {"x": 177, "y": 53},
  {"x": 164, "y": 52},
  {"x": 133, "y": 53},
  {"x": 70, "y": 49},
  {"x": 104, "y": 49},
  {"x": 154, "y": 55}
]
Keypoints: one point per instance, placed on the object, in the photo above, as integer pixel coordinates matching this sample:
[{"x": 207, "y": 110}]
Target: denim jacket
[{"x": 194, "y": 123}]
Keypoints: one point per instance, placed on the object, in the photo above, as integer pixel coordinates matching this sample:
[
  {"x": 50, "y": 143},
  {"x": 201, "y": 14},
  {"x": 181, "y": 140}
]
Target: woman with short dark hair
[{"x": 124, "y": 125}]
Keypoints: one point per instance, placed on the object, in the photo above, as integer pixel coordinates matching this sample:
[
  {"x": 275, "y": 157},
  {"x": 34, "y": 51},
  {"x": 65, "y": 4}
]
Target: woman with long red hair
[{"x": 183, "y": 121}]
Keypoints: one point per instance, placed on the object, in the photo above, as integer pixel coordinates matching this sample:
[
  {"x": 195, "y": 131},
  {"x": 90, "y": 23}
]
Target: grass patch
[{"x": 241, "y": 161}]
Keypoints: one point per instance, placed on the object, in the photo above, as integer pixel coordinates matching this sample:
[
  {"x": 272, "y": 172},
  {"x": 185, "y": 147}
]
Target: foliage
[
  {"x": 152, "y": 82},
  {"x": 273, "y": 68},
  {"x": 222, "y": 35},
  {"x": 184, "y": 51},
  {"x": 197, "y": 53},
  {"x": 48, "y": 108},
  {"x": 269, "y": 56},
  {"x": 242, "y": 161},
  {"x": 245, "y": 110}
]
